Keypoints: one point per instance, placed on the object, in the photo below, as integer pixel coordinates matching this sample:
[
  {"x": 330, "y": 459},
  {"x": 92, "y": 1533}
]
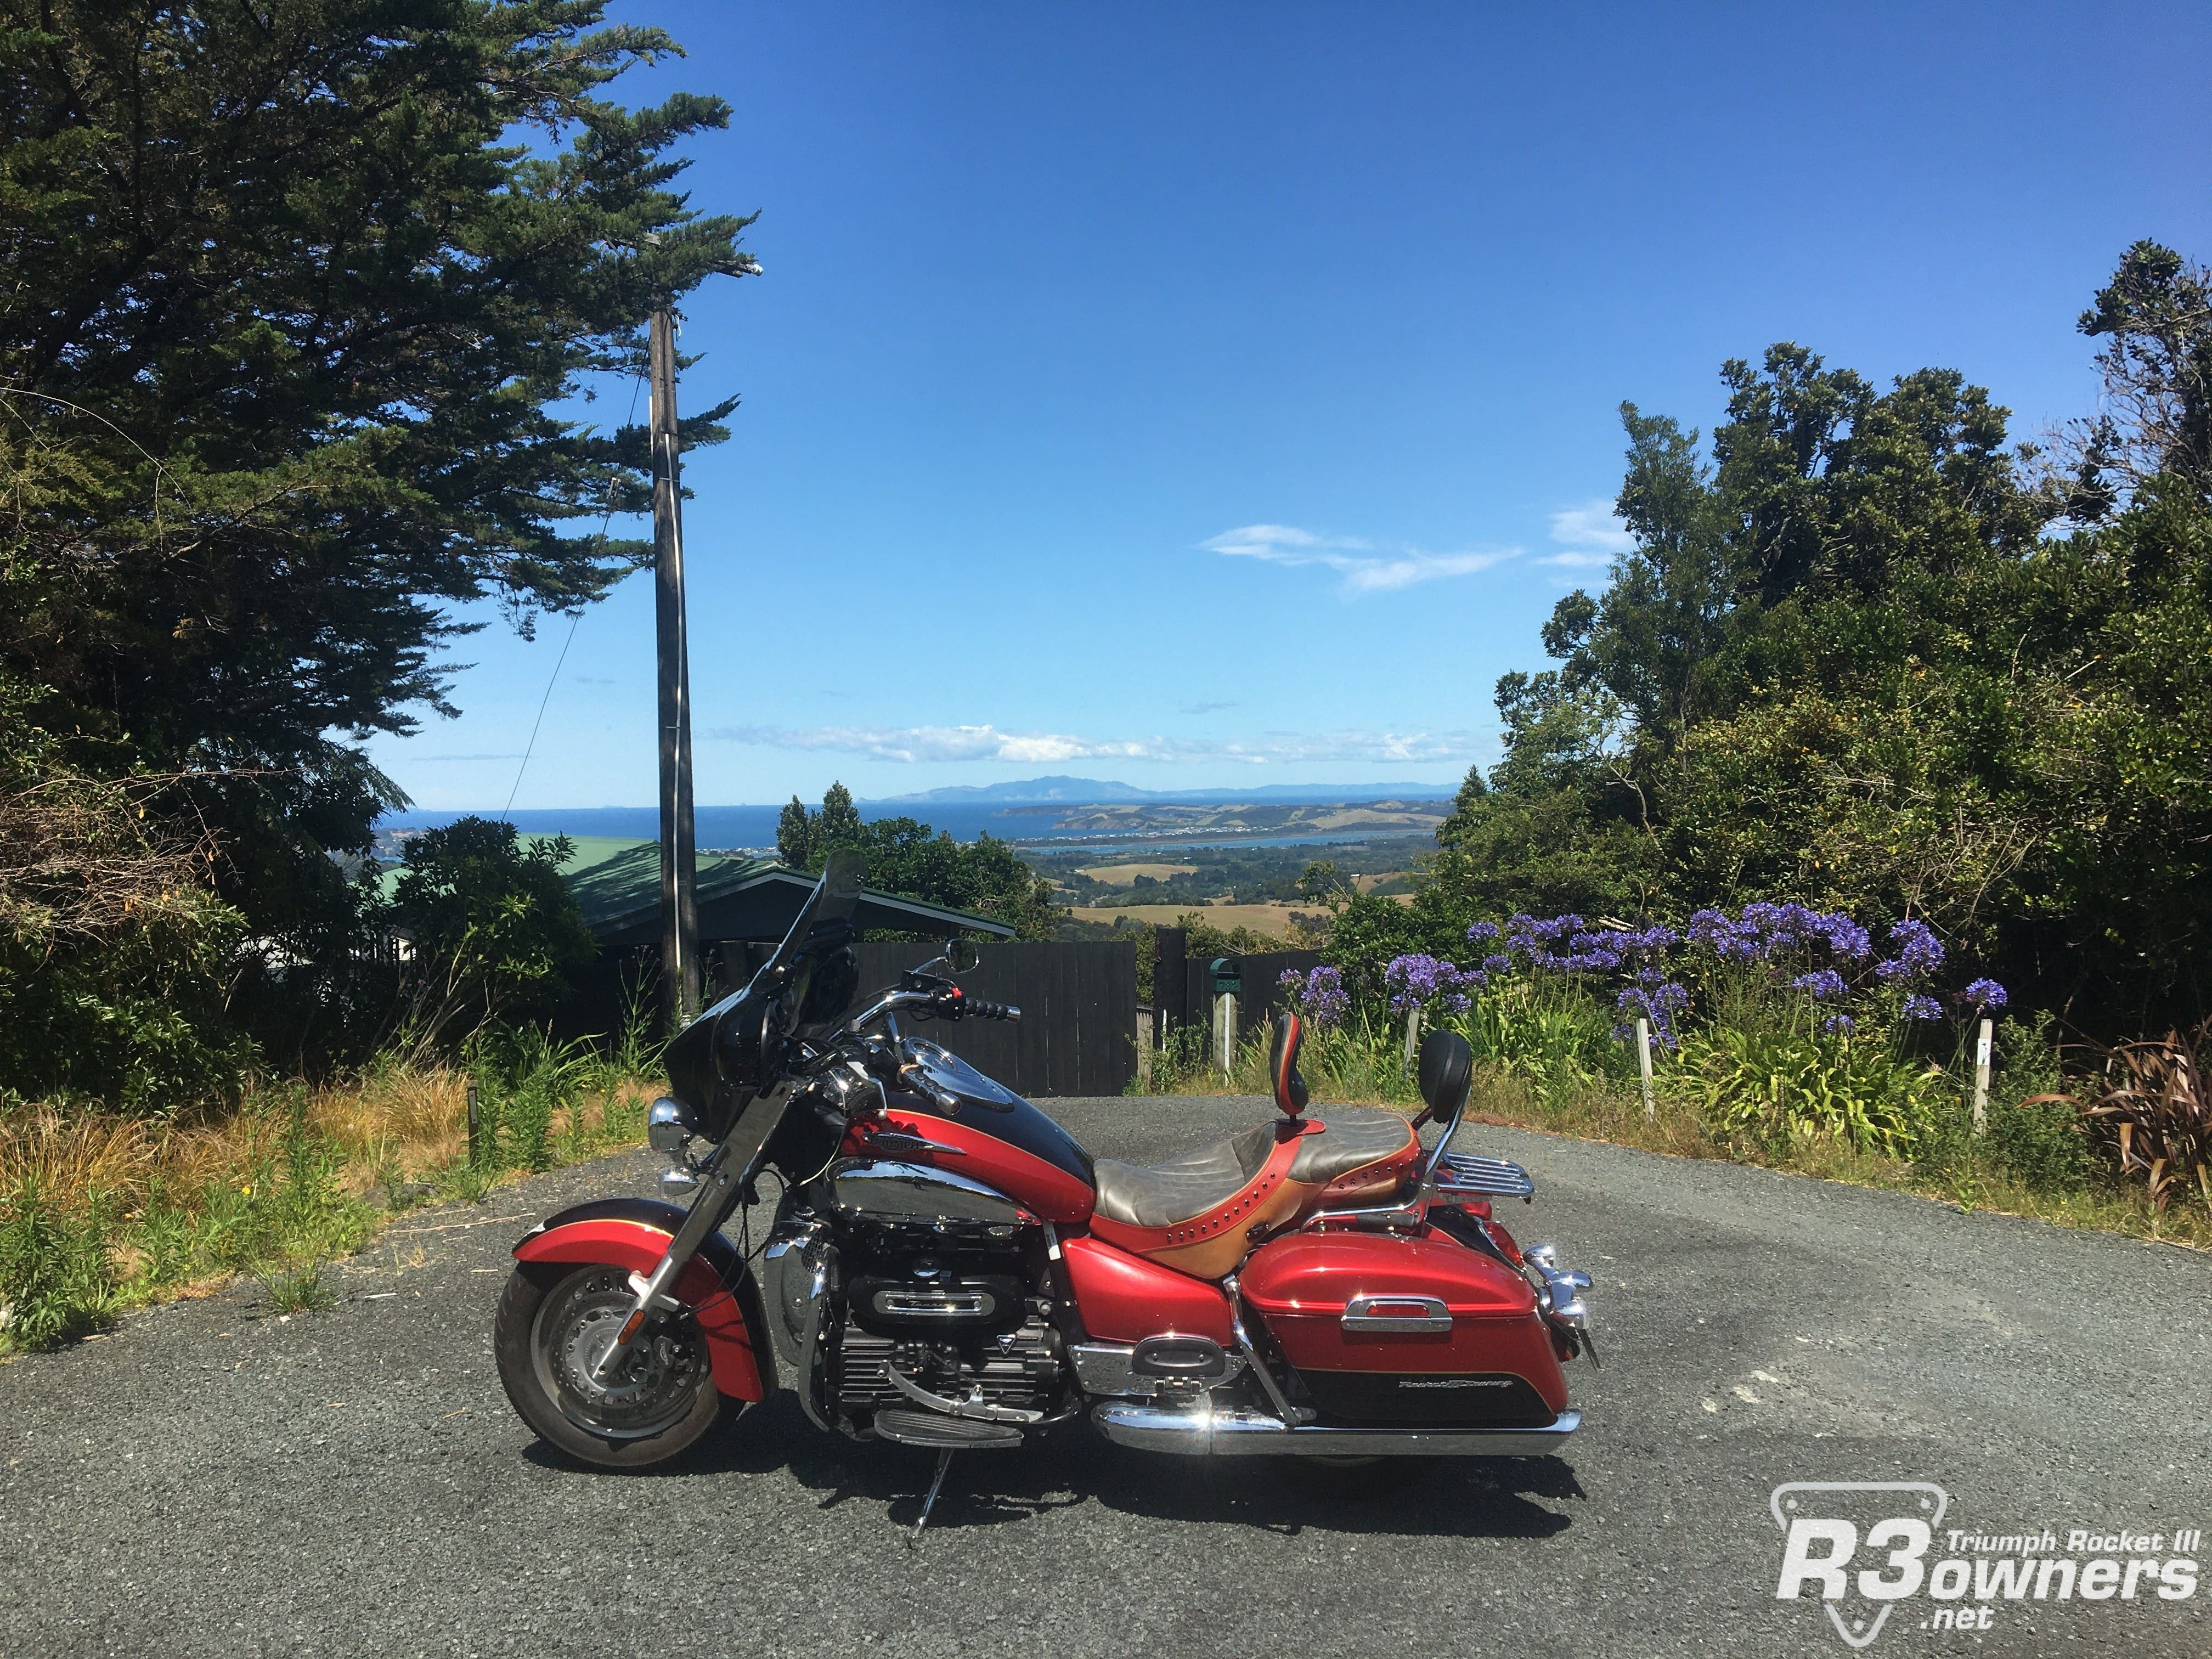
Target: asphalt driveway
[{"x": 213, "y": 1479}]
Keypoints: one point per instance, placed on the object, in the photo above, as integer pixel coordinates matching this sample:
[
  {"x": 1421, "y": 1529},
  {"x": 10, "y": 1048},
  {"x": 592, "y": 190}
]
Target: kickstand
[{"x": 944, "y": 1462}]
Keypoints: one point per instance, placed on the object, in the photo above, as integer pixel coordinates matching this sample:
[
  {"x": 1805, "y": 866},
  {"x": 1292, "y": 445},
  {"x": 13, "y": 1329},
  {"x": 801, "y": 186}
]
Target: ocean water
[{"x": 755, "y": 826}]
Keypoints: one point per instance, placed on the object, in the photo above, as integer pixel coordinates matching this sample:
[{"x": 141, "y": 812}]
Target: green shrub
[
  {"x": 2040, "y": 1140},
  {"x": 494, "y": 928},
  {"x": 1550, "y": 1034},
  {"x": 1771, "y": 1088},
  {"x": 57, "y": 1280}
]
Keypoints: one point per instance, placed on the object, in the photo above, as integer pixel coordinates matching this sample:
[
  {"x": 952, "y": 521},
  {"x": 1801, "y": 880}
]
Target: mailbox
[{"x": 1228, "y": 982}]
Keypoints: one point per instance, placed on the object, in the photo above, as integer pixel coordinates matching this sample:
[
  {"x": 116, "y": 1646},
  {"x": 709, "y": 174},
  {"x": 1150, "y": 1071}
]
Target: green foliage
[
  {"x": 301, "y": 294},
  {"x": 57, "y": 1281},
  {"x": 1323, "y": 882},
  {"x": 984, "y": 877},
  {"x": 1771, "y": 1088},
  {"x": 494, "y": 928},
  {"x": 2035, "y": 1132},
  {"x": 1552, "y": 1035},
  {"x": 298, "y": 1290},
  {"x": 1851, "y": 660},
  {"x": 113, "y": 952},
  {"x": 530, "y": 1094}
]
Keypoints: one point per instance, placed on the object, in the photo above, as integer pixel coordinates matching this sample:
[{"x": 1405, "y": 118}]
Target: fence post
[
  {"x": 1413, "y": 1037},
  {"x": 476, "y": 1159},
  {"x": 1224, "y": 1029},
  {"x": 1982, "y": 1078},
  {"x": 1146, "y": 1020},
  {"x": 1644, "y": 1062}
]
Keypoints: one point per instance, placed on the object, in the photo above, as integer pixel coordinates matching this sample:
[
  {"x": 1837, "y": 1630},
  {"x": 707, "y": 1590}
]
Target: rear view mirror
[
  {"x": 962, "y": 954},
  {"x": 1447, "y": 1075}
]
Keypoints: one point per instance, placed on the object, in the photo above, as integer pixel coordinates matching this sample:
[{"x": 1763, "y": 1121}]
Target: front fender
[{"x": 716, "y": 1285}]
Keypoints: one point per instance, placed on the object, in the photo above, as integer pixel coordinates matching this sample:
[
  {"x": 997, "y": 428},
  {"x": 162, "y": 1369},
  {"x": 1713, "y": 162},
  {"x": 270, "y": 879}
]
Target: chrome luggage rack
[{"x": 1460, "y": 1175}]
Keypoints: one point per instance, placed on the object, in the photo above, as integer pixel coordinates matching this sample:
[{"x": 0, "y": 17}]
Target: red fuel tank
[
  {"x": 1041, "y": 1174},
  {"x": 1391, "y": 1329}
]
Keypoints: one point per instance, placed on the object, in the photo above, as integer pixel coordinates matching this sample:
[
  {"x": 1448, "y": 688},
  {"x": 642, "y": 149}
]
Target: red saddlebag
[{"x": 1386, "y": 1329}]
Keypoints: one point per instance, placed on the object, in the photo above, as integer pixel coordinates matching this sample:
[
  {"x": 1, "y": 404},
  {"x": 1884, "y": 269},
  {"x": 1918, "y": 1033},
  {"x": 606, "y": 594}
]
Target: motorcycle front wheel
[{"x": 556, "y": 1320}]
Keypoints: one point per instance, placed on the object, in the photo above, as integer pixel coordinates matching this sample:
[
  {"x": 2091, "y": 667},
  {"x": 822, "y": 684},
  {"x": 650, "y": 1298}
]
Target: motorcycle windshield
[
  {"x": 826, "y": 917},
  {"x": 825, "y": 923}
]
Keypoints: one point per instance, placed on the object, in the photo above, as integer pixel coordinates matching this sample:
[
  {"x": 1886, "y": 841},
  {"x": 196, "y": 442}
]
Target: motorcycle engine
[{"x": 952, "y": 1324}]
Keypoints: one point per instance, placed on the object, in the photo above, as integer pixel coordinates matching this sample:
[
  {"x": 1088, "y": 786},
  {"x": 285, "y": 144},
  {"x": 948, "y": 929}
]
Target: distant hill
[
  {"x": 1093, "y": 791},
  {"x": 1032, "y": 811}
]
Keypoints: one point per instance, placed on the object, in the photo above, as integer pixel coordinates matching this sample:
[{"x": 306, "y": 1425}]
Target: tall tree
[
  {"x": 303, "y": 294},
  {"x": 1862, "y": 665}
]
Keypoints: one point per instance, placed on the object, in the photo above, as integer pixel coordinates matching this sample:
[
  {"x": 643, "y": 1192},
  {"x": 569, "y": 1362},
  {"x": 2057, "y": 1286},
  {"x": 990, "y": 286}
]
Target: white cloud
[
  {"x": 1363, "y": 570},
  {"x": 1591, "y": 535},
  {"x": 988, "y": 742}
]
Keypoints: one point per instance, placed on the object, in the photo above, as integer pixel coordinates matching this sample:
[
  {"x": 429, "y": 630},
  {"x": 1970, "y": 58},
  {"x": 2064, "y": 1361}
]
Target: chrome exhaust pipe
[{"x": 1239, "y": 1433}]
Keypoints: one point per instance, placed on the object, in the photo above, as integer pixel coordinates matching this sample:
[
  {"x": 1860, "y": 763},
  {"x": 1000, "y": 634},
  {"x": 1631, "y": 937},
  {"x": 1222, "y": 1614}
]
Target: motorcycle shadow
[{"x": 1421, "y": 1497}]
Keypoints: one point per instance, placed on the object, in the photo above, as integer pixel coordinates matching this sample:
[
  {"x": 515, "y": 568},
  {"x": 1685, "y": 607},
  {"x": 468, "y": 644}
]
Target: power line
[{"x": 605, "y": 518}]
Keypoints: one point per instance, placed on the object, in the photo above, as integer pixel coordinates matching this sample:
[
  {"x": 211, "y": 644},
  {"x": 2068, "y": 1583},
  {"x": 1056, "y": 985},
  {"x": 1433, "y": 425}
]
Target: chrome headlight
[
  {"x": 670, "y": 1124},
  {"x": 679, "y": 1182}
]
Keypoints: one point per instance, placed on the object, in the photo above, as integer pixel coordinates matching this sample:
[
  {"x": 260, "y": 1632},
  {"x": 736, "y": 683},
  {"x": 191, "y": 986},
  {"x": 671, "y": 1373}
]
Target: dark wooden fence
[
  {"x": 1076, "y": 1035},
  {"x": 1182, "y": 985}
]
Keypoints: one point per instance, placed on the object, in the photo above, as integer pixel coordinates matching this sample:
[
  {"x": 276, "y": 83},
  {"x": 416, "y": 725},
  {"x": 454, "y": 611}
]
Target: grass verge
[
  {"x": 100, "y": 1213},
  {"x": 1962, "y": 1170}
]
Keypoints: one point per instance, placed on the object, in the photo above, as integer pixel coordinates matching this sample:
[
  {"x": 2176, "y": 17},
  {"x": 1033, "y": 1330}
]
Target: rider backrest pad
[{"x": 1283, "y": 1064}]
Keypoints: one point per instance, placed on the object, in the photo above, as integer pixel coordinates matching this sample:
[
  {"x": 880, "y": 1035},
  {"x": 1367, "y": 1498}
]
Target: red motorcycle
[{"x": 948, "y": 1268}]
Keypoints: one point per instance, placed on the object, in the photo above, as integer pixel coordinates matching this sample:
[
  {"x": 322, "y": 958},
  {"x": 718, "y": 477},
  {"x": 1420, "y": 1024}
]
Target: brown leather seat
[
  {"x": 1163, "y": 1194},
  {"x": 1197, "y": 1213},
  {"x": 1200, "y": 1213}
]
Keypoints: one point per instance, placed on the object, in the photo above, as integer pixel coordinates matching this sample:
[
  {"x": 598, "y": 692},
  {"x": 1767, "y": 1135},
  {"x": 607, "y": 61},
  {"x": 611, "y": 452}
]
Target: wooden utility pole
[{"x": 679, "y": 856}]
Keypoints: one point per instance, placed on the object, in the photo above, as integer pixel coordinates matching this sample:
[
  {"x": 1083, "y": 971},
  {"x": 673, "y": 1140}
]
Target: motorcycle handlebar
[{"x": 950, "y": 1004}]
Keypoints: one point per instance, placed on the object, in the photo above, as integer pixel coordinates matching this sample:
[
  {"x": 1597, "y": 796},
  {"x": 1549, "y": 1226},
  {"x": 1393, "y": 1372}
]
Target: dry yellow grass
[
  {"x": 71, "y": 1156},
  {"x": 406, "y": 1121},
  {"x": 1273, "y": 919},
  {"x": 1120, "y": 875},
  {"x": 405, "y": 1118}
]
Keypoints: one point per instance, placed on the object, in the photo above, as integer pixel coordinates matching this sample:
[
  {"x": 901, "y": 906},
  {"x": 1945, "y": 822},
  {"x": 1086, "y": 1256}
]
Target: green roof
[{"x": 617, "y": 882}]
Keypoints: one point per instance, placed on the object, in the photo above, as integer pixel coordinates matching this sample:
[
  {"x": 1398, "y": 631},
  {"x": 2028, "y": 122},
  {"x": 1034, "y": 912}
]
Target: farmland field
[
  {"x": 1271, "y": 919},
  {"x": 1122, "y": 875}
]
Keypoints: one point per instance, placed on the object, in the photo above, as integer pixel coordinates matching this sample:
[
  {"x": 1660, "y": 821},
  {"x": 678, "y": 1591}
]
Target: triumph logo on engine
[{"x": 1862, "y": 1546}]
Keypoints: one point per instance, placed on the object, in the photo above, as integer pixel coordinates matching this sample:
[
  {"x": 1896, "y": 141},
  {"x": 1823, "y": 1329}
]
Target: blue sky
[{"x": 1213, "y": 395}]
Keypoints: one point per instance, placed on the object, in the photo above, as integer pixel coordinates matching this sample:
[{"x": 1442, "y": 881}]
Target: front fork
[{"x": 719, "y": 1195}]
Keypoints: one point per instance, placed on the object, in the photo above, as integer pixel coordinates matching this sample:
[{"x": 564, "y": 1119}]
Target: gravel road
[{"x": 213, "y": 1479}]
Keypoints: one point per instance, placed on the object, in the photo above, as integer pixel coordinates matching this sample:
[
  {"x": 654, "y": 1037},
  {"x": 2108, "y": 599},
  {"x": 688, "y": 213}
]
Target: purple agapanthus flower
[
  {"x": 1839, "y": 1025},
  {"x": 1986, "y": 994},
  {"x": 1919, "y": 952},
  {"x": 1419, "y": 981},
  {"x": 1822, "y": 984},
  {"x": 1657, "y": 1003},
  {"x": 1481, "y": 930},
  {"x": 1918, "y": 1007},
  {"x": 1319, "y": 995}
]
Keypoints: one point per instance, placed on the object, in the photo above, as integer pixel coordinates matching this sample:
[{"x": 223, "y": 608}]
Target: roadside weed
[
  {"x": 101, "y": 1212},
  {"x": 298, "y": 1290}
]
